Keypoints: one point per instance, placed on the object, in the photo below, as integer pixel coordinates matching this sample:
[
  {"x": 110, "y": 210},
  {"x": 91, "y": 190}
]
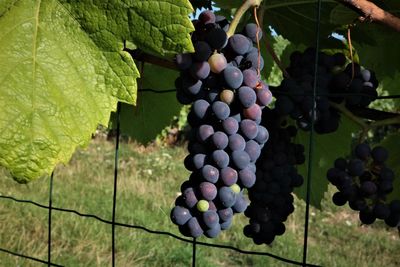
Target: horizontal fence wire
[
  {"x": 276, "y": 91},
  {"x": 139, "y": 227},
  {"x": 29, "y": 257}
]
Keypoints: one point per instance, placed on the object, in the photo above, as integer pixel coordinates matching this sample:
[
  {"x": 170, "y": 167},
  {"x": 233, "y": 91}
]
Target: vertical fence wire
[
  {"x": 194, "y": 253},
  {"x": 311, "y": 139},
  {"x": 49, "y": 220},
  {"x": 115, "y": 183}
]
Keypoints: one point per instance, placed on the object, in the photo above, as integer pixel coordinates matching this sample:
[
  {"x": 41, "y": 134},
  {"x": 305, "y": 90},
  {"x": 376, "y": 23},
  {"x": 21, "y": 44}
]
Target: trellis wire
[
  {"x": 277, "y": 92},
  {"x": 115, "y": 182},
  {"x": 50, "y": 213},
  {"x": 311, "y": 139},
  {"x": 157, "y": 232}
]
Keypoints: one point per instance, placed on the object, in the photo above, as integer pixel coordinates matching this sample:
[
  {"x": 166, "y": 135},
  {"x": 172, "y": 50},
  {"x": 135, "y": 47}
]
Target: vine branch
[
  {"x": 239, "y": 13},
  {"x": 370, "y": 12},
  {"x": 342, "y": 108},
  {"x": 144, "y": 57},
  {"x": 365, "y": 126},
  {"x": 270, "y": 49}
]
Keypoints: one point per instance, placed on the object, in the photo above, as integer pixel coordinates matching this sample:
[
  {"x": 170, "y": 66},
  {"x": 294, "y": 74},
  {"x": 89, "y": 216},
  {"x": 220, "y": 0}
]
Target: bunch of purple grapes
[
  {"x": 221, "y": 80},
  {"x": 364, "y": 182},
  {"x": 271, "y": 196},
  {"x": 358, "y": 91},
  {"x": 295, "y": 98}
]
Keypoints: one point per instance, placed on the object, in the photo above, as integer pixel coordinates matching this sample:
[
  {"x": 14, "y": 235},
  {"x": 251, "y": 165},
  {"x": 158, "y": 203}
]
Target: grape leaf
[
  {"x": 154, "y": 111},
  {"x": 64, "y": 69},
  {"x": 392, "y": 144},
  {"x": 156, "y": 26},
  {"x": 326, "y": 148}
]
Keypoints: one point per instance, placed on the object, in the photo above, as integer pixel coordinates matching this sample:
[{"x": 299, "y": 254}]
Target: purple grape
[
  {"x": 236, "y": 142},
  {"x": 204, "y": 132},
  {"x": 230, "y": 126},
  {"x": 210, "y": 173},
  {"x": 362, "y": 151},
  {"x": 199, "y": 160},
  {"x": 200, "y": 108},
  {"x": 220, "y": 158},
  {"x": 194, "y": 227},
  {"x": 247, "y": 177},
  {"x": 202, "y": 51},
  {"x": 262, "y": 135},
  {"x": 253, "y": 113},
  {"x": 221, "y": 110},
  {"x": 251, "y": 30},
  {"x": 239, "y": 44},
  {"x": 264, "y": 97},
  {"x": 208, "y": 190},
  {"x": 229, "y": 176},
  {"x": 249, "y": 128},
  {"x": 189, "y": 197},
  {"x": 210, "y": 218},
  {"x": 217, "y": 38},
  {"x": 180, "y": 215},
  {"x": 226, "y": 196},
  {"x": 220, "y": 140},
  {"x": 253, "y": 149},
  {"x": 213, "y": 232},
  {"x": 250, "y": 78},
  {"x": 379, "y": 154},
  {"x": 226, "y": 225},
  {"x": 247, "y": 96},
  {"x": 241, "y": 159},
  {"x": 207, "y": 17},
  {"x": 200, "y": 70},
  {"x": 233, "y": 77},
  {"x": 225, "y": 214},
  {"x": 240, "y": 204}
]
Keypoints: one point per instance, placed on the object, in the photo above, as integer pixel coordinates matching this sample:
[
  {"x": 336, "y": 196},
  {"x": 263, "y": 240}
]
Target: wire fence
[{"x": 195, "y": 243}]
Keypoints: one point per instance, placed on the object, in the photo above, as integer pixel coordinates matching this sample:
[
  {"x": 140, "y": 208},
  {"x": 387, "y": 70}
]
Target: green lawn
[{"x": 149, "y": 180}]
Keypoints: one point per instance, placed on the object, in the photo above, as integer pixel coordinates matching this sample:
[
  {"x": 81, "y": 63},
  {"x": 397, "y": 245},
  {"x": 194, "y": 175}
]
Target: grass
[{"x": 148, "y": 183}]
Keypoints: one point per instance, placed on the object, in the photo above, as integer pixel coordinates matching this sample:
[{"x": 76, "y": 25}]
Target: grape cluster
[
  {"x": 364, "y": 182},
  {"x": 358, "y": 91},
  {"x": 221, "y": 81},
  {"x": 335, "y": 82},
  {"x": 296, "y": 98},
  {"x": 271, "y": 198}
]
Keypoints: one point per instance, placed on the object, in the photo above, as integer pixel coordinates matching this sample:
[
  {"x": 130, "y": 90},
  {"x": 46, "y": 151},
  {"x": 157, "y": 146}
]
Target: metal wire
[
  {"x": 157, "y": 232},
  {"x": 276, "y": 91},
  {"x": 311, "y": 139},
  {"x": 49, "y": 226},
  {"x": 115, "y": 183}
]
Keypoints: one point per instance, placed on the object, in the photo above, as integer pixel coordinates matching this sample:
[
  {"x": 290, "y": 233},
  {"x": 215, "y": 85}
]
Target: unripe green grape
[
  {"x": 202, "y": 205},
  {"x": 235, "y": 188}
]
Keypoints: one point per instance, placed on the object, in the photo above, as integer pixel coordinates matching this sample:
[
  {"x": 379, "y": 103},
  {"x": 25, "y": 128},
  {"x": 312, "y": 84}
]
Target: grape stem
[
  {"x": 390, "y": 121},
  {"x": 239, "y": 14},
  {"x": 342, "y": 108},
  {"x": 365, "y": 126}
]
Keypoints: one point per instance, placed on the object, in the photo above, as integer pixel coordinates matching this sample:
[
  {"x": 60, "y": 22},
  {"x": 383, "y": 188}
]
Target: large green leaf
[
  {"x": 392, "y": 144},
  {"x": 326, "y": 148},
  {"x": 63, "y": 70},
  {"x": 154, "y": 111},
  {"x": 156, "y": 26}
]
